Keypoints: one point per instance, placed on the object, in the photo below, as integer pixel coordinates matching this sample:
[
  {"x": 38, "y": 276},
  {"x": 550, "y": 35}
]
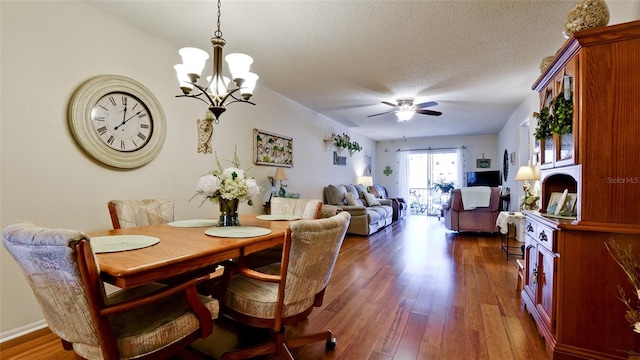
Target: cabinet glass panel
[
  {"x": 547, "y": 154},
  {"x": 566, "y": 146}
]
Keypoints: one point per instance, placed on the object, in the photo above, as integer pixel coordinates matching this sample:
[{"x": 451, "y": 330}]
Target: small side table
[{"x": 507, "y": 222}]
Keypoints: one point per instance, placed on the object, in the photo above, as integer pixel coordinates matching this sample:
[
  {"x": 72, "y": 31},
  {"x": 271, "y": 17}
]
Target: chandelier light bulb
[{"x": 223, "y": 83}]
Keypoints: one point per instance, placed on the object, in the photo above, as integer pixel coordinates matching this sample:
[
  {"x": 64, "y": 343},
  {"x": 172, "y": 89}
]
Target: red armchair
[{"x": 480, "y": 219}]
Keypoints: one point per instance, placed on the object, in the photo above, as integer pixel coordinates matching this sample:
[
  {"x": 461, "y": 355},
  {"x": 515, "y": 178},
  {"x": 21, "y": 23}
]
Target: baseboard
[{"x": 16, "y": 336}]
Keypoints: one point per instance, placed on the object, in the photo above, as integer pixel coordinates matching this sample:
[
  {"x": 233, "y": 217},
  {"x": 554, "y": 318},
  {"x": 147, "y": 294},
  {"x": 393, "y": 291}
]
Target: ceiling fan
[{"x": 405, "y": 108}]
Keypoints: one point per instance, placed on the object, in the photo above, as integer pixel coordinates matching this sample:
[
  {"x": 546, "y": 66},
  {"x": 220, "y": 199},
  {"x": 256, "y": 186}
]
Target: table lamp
[
  {"x": 280, "y": 175},
  {"x": 367, "y": 181},
  {"x": 526, "y": 173}
]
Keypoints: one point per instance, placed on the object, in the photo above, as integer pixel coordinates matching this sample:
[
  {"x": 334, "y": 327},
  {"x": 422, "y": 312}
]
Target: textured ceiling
[{"x": 477, "y": 59}]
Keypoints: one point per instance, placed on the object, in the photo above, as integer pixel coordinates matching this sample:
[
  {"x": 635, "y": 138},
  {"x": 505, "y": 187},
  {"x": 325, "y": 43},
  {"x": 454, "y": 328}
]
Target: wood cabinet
[
  {"x": 571, "y": 281},
  {"x": 540, "y": 276}
]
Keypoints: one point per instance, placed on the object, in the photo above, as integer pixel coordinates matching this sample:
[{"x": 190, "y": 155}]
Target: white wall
[{"x": 49, "y": 48}]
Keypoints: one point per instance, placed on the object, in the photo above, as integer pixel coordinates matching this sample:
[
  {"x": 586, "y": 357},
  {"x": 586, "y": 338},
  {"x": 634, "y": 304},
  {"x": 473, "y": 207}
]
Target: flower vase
[{"x": 228, "y": 212}]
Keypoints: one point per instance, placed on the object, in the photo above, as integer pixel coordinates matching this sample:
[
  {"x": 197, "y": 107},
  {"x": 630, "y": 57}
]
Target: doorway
[{"x": 426, "y": 169}]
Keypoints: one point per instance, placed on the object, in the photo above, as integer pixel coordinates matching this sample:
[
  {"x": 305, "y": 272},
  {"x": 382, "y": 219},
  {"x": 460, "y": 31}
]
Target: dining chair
[
  {"x": 151, "y": 321},
  {"x": 131, "y": 213},
  {"x": 285, "y": 293},
  {"x": 305, "y": 208}
]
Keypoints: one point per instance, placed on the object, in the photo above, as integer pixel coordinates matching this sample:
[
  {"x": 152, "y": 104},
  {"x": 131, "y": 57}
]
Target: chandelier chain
[{"x": 218, "y": 33}]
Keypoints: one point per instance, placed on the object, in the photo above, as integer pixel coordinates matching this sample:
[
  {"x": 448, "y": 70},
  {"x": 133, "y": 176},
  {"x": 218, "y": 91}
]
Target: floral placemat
[
  {"x": 237, "y": 231},
  {"x": 115, "y": 243},
  {"x": 278, "y": 217},
  {"x": 194, "y": 223}
]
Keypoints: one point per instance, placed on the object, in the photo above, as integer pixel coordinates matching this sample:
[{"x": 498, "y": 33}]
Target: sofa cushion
[
  {"x": 371, "y": 200},
  {"x": 351, "y": 200},
  {"x": 335, "y": 194}
]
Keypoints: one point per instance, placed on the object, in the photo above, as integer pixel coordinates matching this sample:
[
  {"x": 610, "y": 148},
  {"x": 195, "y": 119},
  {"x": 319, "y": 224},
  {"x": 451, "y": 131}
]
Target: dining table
[{"x": 180, "y": 249}]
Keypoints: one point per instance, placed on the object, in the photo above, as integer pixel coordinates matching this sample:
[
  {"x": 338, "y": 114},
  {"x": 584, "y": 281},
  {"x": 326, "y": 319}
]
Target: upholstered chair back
[
  {"x": 48, "y": 260},
  {"x": 314, "y": 250},
  {"x": 132, "y": 213},
  {"x": 305, "y": 208}
]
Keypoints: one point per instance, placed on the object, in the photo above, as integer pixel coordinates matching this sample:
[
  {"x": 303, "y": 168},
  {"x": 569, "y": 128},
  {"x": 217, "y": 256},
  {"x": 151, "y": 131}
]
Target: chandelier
[{"x": 217, "y": 93}]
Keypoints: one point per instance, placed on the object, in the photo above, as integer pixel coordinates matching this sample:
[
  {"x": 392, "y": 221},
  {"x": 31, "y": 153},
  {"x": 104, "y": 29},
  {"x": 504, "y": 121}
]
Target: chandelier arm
[
  {"x": 195, "y": 97},
  {"x": 240, "y": 100},
  {"x": 205, "y": 93}
]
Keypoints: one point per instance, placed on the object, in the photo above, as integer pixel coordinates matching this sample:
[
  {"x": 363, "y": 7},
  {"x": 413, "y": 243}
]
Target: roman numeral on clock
[
  {"x": 101, "y": 130},
  {"x": 142, "y": 136},
  {"x": 110, "y": 140}
]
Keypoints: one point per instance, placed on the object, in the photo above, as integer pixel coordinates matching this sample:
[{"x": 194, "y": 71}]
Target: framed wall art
[
  {"x": 483, "y": 163},
  {"x": 272, "y": 149}
]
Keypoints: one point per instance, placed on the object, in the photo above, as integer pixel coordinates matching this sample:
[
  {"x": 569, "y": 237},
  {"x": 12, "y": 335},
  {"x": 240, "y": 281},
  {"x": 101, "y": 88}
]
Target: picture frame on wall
[
  {"x": 272, "y": 149},
  {"x": 367, "y": 165},
  {"x": 483, "y": 163}
]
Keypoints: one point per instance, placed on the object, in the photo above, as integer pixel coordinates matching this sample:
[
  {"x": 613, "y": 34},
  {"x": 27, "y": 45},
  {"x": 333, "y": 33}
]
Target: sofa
[
  {"x": 478, "y": 219},
  {"x": 368, "y": 214},
  {"x": 398, "y": 204}
]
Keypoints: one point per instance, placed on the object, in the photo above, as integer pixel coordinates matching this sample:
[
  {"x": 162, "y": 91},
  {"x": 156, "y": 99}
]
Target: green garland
[{"x": 557, "y": 120}]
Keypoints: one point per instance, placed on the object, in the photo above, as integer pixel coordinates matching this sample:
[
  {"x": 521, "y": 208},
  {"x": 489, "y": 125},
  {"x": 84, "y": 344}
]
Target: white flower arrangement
[{"x": 230, "y": 183}]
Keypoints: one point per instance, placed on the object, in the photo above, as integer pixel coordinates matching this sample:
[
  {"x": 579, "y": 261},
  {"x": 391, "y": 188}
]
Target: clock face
[
  {"x": 117, "y": 121},
  {"x": 122, "y": 121}
]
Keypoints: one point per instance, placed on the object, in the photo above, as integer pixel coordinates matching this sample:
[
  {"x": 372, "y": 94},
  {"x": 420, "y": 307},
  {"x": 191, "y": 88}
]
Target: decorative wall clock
[
  {"x": 505, "y": 165},
  {"x": 117, "y": 121}
]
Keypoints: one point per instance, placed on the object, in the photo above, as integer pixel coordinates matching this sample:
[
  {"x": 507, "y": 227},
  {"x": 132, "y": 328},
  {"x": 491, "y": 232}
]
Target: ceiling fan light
[{"x": 404, "y": 114}]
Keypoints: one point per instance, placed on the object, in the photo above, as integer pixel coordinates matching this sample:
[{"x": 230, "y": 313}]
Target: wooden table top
[{"x": 179, "y": 251}]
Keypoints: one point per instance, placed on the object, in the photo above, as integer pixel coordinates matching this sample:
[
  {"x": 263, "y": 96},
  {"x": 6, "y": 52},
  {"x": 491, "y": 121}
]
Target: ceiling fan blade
[
  {"x": 386, "y": 112},
  {"x": 428, "y": 112},
  {"x": 390, "y": 104},
  {"x": 425, "y": 104}
]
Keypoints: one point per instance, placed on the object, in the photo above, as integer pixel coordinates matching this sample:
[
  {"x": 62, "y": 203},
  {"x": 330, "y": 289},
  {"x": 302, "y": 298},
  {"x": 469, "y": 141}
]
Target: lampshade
[
  {"x": 525, "y": 173},
  {"x": 365, "y": 180},
  {"x": 279, "y": 175},
  {"x": 239, "y": 65},
  {"x": 193, "y": 60}
]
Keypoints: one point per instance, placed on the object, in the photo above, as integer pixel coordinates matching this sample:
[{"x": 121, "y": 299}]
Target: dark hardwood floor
[{"x": 411, "y": 291}]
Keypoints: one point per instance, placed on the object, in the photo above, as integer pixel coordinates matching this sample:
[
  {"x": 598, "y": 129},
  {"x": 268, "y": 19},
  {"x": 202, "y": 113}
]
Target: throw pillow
[
  {"x": 351, "y": 200},
  {"x": 371, "y": 200}
]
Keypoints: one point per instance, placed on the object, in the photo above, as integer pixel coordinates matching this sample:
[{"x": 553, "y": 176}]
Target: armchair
[
  {"x": 64, "y": 276},
  {"x": 479, "y": 219}
]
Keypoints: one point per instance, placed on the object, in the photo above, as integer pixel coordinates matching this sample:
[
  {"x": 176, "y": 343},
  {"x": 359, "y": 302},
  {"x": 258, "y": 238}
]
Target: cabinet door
[
  {"x": 531, "y": 269},
  {"x": 546, "y": 261}
]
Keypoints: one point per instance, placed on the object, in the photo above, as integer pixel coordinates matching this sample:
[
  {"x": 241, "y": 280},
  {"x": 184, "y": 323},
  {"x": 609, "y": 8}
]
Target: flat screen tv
[{"x": 484, "y": 178}]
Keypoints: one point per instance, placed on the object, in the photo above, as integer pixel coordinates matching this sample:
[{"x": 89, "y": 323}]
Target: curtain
[{"x": 402, "y": 159}]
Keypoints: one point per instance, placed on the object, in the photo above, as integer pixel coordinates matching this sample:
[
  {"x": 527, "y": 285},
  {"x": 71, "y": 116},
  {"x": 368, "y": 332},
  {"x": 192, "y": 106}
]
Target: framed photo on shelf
[
  {"x": 554, "y": 203},
  {"x": 562, "y": 204}
]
